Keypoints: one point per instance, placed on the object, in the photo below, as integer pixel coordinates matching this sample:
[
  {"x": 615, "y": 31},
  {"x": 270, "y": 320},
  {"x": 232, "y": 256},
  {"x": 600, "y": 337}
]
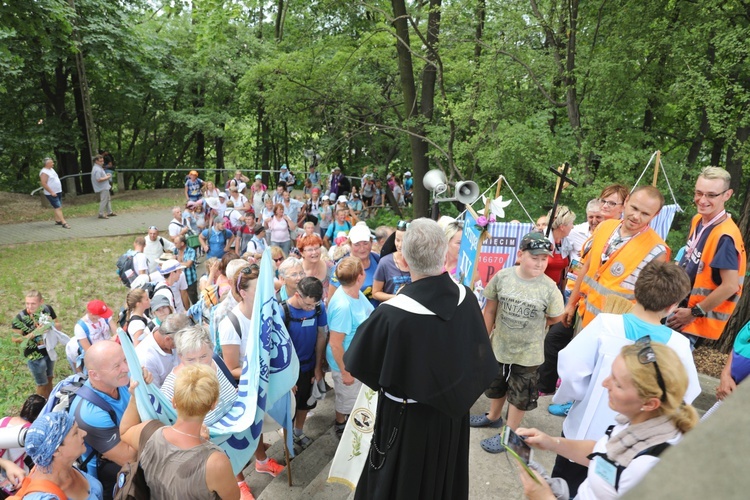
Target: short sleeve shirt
[
  {"x": 27, "y": 323},
  {"x": 345, "y": 314},
  {"x": 521, "y": 318},
  {"x": 392, "y": 277},
  {"x": 303, "y": 329},
  {"x": 228, "y": 334},
  {"x": 97, "y": 331}
]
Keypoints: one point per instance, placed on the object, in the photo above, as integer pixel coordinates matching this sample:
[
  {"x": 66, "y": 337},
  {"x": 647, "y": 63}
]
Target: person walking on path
[
  {"x": 100, "y": 181},
  {"x": 53, "y": 190}
]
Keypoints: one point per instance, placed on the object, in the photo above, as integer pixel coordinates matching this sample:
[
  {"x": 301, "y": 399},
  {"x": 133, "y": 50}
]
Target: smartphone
[
  {"x": 515, "y": 443},
  {"x": 519, "y": 450}
]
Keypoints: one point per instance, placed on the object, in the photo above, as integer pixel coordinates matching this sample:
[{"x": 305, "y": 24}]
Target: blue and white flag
[
  {"x": 269, "y": 371},
  {"x": 662, "y": 223}
]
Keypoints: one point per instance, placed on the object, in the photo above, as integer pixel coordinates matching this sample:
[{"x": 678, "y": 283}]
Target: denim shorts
[
  {"x": 55, "y": 201},
  {"x": 42, "y": 369}
]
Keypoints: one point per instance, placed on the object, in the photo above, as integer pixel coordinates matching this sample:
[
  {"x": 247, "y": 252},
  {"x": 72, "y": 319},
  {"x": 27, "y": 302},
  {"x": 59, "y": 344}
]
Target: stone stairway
[{"x": 492, "y": 476}]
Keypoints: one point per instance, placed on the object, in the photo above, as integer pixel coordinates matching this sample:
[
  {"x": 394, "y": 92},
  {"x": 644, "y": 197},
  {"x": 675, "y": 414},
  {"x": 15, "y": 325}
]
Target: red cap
[{"x": 99, "y": 308}]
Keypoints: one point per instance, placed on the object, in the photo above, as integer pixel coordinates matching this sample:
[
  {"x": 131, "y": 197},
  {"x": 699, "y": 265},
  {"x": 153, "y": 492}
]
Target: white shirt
[
  {"x": 155, "y": 360},
  {"x": 228, "y": 335},
  {"x": 140, "y": 263},
  {"x": 53, "y": 181},
  {"x": 154, "y": 249},
  {"x": 97, "y": 331},
  {"x": 577, "y": 237},
  {"x": 175, "y": 227}
]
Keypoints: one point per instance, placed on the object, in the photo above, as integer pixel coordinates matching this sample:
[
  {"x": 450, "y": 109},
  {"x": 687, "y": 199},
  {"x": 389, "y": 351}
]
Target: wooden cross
[{"x": 562, "y": 181}]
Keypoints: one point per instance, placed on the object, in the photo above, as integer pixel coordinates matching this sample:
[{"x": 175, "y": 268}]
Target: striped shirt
[{"x": 227, "y": 395}]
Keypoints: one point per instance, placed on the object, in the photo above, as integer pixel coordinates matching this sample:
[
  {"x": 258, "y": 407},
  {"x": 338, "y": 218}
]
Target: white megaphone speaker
[
  {"x": 435, "y": 181},
  {"x": 467, "y": 192}
]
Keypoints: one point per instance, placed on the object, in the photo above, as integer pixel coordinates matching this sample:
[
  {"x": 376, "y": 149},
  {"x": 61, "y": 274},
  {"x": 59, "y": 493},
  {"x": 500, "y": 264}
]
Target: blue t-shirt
[
  {"x": 636, "y": 328},
  {"x": 303, "y": 329},
  {"x": 335, "y": 228},
  {"x": 216, "y": 241},
  {"x": 741, "y": 355},
  {"x": 392, "y": 277},
  {"x": 101, "y": 433},
  {"x": 408, "y": 183},
  {"x": 725, "y": 257},
  {"x": 95, "y": 490},
  {"x": 366, "y": 287},
  {"x": 345, "y": 314},
  {"x": 194, "y": 189}
]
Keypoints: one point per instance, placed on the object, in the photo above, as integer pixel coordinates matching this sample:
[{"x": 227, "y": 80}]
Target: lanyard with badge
[{"x": 692, "y": 243}]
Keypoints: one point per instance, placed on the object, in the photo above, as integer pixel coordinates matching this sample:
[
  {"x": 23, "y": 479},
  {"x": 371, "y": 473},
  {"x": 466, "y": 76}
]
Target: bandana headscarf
[{"x": 45, "y": 436}]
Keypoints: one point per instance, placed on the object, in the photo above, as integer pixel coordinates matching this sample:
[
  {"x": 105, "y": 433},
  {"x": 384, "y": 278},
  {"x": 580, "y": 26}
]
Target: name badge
[
  {"x": 308, "y": 322},
  {"x": 605, "y": 470}
]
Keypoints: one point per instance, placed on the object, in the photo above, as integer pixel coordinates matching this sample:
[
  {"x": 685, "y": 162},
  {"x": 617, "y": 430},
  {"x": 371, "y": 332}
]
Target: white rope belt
[{"x": 398, "y": 400}]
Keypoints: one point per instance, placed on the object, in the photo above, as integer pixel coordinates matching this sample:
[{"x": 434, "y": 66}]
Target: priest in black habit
[{"x": 428, "y": 354}]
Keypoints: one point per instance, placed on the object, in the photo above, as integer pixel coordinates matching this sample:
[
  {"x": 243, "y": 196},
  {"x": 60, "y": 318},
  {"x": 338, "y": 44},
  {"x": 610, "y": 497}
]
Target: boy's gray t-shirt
[{"x": 521, "y": 318}]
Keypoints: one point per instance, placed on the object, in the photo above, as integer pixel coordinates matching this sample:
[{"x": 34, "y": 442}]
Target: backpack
[
  {"x": 37, "y": 486},
  {"x": 62, "y": 397},
  {"x": 131, "y": 480},
  {"x": 228, "y": 220},
  {"x": 125, "y": 269},
  {"x": 288, "y": 316}
]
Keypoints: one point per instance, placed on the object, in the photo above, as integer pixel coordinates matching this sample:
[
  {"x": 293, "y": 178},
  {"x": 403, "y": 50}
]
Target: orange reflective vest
[
  {"x": 607, "y": 278},
  {"x": 712, "y": 325}
]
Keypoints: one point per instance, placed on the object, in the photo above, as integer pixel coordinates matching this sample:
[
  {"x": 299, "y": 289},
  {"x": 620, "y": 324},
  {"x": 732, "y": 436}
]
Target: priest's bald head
[{"x": 424, "y": 248}]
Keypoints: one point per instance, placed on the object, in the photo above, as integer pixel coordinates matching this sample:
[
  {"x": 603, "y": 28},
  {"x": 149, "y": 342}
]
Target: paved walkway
[{"x": 86, "y": 227}]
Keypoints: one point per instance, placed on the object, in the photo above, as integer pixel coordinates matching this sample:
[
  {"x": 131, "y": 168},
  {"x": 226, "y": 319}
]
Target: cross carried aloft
[{"x": 562, "y": 181}]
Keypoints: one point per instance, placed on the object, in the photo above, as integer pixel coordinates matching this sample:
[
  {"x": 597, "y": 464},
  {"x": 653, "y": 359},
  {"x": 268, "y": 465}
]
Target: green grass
[{"x": 68, "y": 274}]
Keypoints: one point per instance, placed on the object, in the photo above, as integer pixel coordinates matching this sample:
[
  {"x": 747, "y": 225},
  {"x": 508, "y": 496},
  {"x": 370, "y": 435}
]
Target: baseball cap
[
  {"x": 536, "y": 244},
  {"x": 222, "y": 194},
  {"x": 160, "y": 300},
  {"x": 258, "y": 177},
  {"x": 341, "y": 199},
  {"x": 283, "y": 167},
  {"x": 325, "y": 198},
  {"x": 169, "y": 266},
  {"x": 99, "y": 308},
  {"x": 337, "y": 168},
  {"x": 360, "y": 233},
  {"x": 407, "y": 174}
]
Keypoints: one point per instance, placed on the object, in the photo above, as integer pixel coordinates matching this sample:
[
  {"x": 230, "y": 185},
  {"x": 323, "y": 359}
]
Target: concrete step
[{"x": 320, "y": 489}]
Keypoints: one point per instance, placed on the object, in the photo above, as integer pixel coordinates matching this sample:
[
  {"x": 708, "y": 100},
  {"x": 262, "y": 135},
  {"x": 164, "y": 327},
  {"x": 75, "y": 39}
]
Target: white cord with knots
[
  {"x": 664, "y": 171},
  {"x": 502, "y": 177}
]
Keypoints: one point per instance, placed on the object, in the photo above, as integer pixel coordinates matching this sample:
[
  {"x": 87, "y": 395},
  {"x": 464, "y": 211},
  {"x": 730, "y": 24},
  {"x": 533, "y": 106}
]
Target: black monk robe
[{"x": 429, "y": 345}]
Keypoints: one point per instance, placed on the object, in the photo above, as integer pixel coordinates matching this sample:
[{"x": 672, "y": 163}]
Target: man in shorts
[
  {"x": 28, "y": 328},
  {"x": 305, "y": 317},
  {"x": 521, "y": 303}
]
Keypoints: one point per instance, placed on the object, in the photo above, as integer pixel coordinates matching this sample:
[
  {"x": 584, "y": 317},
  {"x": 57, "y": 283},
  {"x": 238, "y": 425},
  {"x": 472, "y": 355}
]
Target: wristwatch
[{"x": 697, "y": 311}]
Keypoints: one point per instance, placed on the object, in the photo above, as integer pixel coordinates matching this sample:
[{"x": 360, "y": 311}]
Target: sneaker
[
  {"x": 302, "y": 441},
  {"x": 245, "y": 493},
  {"x": 543, "y": 394},
  {"x": 560, "y": 410},
  {"x": 271, "y": 467},
  {"x": 483, "y": 421}
]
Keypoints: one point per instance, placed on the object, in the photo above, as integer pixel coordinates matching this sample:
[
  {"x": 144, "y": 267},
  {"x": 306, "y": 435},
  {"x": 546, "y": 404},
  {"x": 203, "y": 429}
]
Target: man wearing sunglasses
[
  {"x": 619, "y": 250},
  {"x": 714, "y": 260}
]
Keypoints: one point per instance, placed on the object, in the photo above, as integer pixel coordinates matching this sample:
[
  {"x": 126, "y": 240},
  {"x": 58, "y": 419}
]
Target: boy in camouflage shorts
[{"x": 521, "y": 303}]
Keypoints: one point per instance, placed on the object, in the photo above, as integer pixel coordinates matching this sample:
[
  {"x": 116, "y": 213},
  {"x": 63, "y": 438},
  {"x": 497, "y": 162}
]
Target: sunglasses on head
[
  {"x": 544, "y": 244},
  {"x": 402, "y": 225},
  {"x": 252, "y": 268},
  {"x": 646, "y": 355}
]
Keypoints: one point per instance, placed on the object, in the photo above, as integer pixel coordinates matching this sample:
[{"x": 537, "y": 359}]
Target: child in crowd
[{"x": 521, "y": 303}]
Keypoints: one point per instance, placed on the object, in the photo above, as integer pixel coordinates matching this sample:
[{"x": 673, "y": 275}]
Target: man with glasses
[
  {"x": 587, "y": 360},
  {"x": 715, "y": 261},
  {"x": 304, "y": 315},
  {"x": 619, "y": 251}
]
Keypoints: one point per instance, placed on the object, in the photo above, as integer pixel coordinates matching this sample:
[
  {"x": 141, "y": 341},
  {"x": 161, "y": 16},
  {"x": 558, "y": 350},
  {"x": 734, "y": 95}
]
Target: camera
[{"x": 13, "y": 437}]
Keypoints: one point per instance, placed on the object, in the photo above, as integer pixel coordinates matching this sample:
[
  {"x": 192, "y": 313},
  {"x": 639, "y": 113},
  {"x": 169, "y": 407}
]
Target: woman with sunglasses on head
[
  {"x": 392, "y": 273},
  {"x": 235, "y": 326},
  {"x": 557, "y": 265},
  {"x": 453, "y": 232},
  {"x": 646, "y": 388}
]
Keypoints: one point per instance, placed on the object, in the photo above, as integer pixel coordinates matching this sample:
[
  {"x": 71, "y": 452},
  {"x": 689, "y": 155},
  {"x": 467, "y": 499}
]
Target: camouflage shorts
[{"x": 519, "y": 383}]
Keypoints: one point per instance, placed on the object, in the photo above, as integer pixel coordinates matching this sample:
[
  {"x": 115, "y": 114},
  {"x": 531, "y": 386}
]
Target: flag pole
[{"x": 288, "y": 461}]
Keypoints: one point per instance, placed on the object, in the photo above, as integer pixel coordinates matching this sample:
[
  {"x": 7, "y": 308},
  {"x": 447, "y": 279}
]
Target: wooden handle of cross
[{"x": 657, "y": 166}]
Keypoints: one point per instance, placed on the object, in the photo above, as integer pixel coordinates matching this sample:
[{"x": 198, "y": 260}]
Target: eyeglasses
[
  {"x": 296, "y": 275},
  {"x": 402, "y": 225},
  {"x": 312, "y": 249},
  {"x": 252, "y": 268},
  {"x": 647, "y": 355},
  {"x": 608, "y": 203},
  {"x": 709, "y": 196}
]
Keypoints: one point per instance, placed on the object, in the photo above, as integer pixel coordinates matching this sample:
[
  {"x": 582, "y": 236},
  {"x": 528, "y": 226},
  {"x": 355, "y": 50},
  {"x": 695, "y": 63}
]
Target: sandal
[
  {"x": 103, "y": 217},
  {"x": 112, "y": 214},
  {"x": 65, "y": 225},
  {"x": 58, "y": 223},
  {"x": 493, "y": 444},
  {"x": 483, "y": 421}
]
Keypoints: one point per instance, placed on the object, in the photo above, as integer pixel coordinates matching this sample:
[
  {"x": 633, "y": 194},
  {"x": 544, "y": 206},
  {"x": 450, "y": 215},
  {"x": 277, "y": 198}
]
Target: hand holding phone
[{"x": 518, "y": 449}]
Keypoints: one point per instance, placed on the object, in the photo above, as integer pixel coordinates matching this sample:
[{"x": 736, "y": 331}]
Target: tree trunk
[
  {"x": 86, "y": 153},
  {"x": 734, "y": 160},
  {"x": 741, "y": 314},
  {"x": 408, "y": 88}
]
